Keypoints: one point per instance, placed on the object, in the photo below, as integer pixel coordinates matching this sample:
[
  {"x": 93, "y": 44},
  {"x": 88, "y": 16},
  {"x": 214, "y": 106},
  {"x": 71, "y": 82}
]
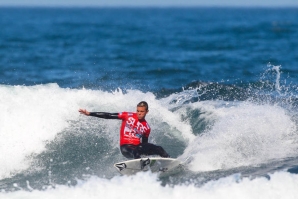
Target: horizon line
[{"x": 145, "y": 6}]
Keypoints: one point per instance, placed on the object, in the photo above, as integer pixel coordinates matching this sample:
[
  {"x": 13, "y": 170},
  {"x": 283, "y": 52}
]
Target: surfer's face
[{"x": 141, "y": 112}]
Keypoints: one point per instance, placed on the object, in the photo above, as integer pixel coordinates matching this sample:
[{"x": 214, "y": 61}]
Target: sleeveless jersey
[{"x": 132, "y": 130}]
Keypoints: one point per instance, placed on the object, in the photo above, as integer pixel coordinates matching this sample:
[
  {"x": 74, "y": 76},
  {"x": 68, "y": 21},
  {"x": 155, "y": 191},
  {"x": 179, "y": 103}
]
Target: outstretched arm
[{"x": 100, "y": 114}]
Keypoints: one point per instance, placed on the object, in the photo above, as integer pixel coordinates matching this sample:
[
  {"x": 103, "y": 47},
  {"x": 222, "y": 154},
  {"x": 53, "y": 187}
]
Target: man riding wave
[{"x": 134, "y": 132}]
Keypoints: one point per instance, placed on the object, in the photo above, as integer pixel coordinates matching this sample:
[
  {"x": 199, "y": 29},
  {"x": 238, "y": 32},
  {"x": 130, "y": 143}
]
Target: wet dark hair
[{"x": 143, "y": 104}]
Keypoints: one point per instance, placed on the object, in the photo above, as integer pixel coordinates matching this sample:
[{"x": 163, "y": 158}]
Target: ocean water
[{"x": 221, "y": 84}]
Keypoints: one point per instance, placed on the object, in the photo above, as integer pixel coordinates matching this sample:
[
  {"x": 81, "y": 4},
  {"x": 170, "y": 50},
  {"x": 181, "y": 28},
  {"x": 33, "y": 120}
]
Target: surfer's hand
[{"x": 84, "y": 111}]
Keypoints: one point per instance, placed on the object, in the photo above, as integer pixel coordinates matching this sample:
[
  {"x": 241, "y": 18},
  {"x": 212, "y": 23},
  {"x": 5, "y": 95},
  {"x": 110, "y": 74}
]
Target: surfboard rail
[{"x": 154, "y": 164}]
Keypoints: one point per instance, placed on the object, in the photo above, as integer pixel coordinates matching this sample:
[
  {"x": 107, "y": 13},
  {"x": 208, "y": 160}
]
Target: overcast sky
[{"x": 161, "y": 3}]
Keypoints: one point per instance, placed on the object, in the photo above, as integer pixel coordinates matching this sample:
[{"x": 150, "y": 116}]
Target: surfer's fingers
[{"x": 82, "y": 111}]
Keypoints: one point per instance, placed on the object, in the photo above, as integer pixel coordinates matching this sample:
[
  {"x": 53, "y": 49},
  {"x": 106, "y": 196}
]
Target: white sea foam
[
  {"x": 146, "y": 185},
  {"x": 31, "y": 116},
  {"x": 243, "y": 134}
]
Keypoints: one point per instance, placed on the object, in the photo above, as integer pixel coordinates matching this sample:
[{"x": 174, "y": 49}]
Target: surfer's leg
[
  {"x": 151, "y": 149},
  {"x": 130, "y": 151}
]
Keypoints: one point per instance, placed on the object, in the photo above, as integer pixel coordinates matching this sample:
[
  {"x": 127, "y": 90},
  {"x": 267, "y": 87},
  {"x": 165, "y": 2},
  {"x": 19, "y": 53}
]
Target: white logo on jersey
[{"x": 131, "y": 131}]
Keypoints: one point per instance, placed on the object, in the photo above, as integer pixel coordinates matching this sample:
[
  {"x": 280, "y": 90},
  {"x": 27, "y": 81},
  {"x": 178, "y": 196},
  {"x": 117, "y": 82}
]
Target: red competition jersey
[{"x": 132, "y": 130}]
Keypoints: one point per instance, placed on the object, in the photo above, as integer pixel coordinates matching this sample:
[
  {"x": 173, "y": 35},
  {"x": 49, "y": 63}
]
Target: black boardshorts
[{"x": 135, "y": 151}]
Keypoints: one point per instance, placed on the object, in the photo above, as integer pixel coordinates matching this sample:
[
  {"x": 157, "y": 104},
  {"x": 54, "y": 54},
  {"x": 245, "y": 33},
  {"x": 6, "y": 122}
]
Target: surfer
[{"x": 134, "y": 132}]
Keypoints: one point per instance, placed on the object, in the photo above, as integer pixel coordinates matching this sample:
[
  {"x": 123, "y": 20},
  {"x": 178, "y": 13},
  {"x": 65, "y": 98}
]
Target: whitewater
[
  {"x": 230, "y": 149},
  {"x": 146, "y": 185}
]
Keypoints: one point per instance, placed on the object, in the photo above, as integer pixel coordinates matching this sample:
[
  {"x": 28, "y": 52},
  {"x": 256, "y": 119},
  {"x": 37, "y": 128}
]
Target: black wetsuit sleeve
[{"x": 105, "y": 115}]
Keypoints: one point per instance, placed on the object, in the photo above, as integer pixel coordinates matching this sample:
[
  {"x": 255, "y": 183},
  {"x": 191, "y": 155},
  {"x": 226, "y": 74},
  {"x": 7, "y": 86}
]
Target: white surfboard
[{"x": 154, "y": 164}]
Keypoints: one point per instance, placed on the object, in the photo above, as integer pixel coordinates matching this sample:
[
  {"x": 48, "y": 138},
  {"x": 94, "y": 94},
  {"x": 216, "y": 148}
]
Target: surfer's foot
[{"x": 144, "y": 162}]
